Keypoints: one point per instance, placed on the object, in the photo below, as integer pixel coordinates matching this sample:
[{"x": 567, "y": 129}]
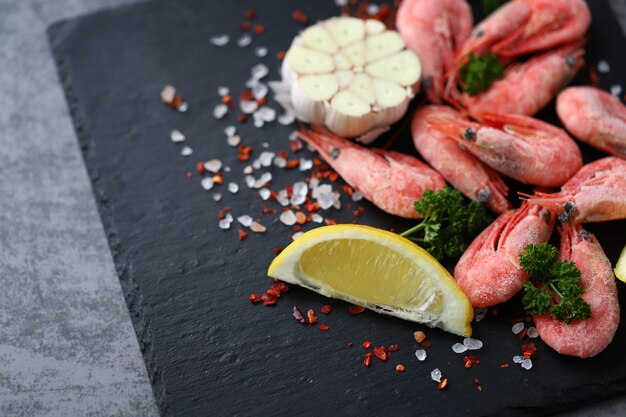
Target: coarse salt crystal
[
  {"x": 233, "y": 187},
  {"x": 220, "y": 111},
  {"x": 265, "y": 193},
  {"x": 472, "y": 344},
  {"x": 296, "y": 235},
  {"x": 248, "y": 170},
  {"x": 252, "y": 82},
  {"x": 219, "y": 40},
  {"x": 186, "y": 151},
  {"x": 265, "y": 145},
  {"x": 372, "y": 9},
  {"x": 305, "y": 164},
  {"x": 256, "y": 164},
  {"x": 286, "y": 118},
  {"x": 183, "y": 107},
  {"x": 293, "y": 136},
  {"x": 259, "y": 71},
  {"x": 604, "y": 67},
  {"x": 260, "y": 51},
  {"x": 518, "y": 359},
  {"x": 459, "y": 348},
  {"x": 223, "y": 91},
  {"x": 248, "y": 106},
  {"x": 517, "y": 327},
  {"x": 280, "y": 162},
  {"x": 616, "y": 90},
  {"x": 316, "y": 218},
  {"x": 168, "y": 93},
  {"x": 244, "y": 40},
  {"x": 234, "y": 140},
  {"x": 226, "y": 169},
  {"x": 177, "y": 136},
  {"x": 226, "y": 221},
  {"x": 282, "y": 198},
  {"x": 300, "y": 188},
  {"x": 532, "y": 332},
  {"x": 262, "y": 180},
  {"x": 257, "y": 227},
  {"x": 245, "y": 220},
  {"x": 480, "y": 312},
  {"x": 288, "y": 218},
  {"x": 420, "y": 354},
  {"x": 296, "y": 200},
  {"x": 266, "y": 158},
  {"x": 207, "y": 183},
  {"x": 250, "y": 181},
  {"x": 214, "y": 165},
  {"x": 267, "y": 114},
  {"x": 341, "y": 3},
  {"x": 258, "y": 123},
  {"x": 259, "y": 91},
  {"x": 230, "y": 131},
  {"x": 435, "y": 375},
  {"x": 217, "y": 196},
  {"x": 527, "y": 364},
  {"x": 356, "y": 196}
]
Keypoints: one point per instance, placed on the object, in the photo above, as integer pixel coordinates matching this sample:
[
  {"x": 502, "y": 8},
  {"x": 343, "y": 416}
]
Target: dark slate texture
[{"x": 207, "y": 349}]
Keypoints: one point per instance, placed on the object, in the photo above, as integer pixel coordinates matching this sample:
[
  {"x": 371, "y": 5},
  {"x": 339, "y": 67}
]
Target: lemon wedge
[
  {"x": 379, "y": 270},
  {"x": 620, "y": 266}
]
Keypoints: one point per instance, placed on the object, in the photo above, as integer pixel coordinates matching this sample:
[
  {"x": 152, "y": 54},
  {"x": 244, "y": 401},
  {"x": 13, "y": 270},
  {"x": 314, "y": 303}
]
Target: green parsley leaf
[
  {"x": 448, "y": 222},
  {"x": 559, "y": 291},
  {"x": 479, "y": 73},
  {"x": 491, "y": 5}
]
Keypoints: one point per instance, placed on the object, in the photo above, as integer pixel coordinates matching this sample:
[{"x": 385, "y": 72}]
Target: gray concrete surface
[{"x": 67, "y": 347}]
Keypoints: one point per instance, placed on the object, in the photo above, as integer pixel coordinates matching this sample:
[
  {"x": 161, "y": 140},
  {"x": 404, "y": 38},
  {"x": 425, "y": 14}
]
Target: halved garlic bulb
[{"x": 351, "y": 75}]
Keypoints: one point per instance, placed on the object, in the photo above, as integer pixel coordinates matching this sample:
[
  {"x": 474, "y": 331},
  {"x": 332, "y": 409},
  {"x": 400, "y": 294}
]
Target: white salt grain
[
  {"x": 300, "y": 188},
  {"x": 259, "y": 91},
  {"x": 518, "y": 359},
  {"x": 183, "y": 107},
  {"x": 305, "y": 164},
  {"x": 280, "y": 162},
  {"x": 220, "y": 111},
  {"x": 260, "y": 51},
  {"x": 480, "y": 313},
  {"x": 248, "y": 106},
  {"x": 214, "y": 165},
  {"x": 296, "y": 235},
  {"x": 245, "y": 220},
  {"x": 248, "y": 170},
  {"x": 250, "y": 181},
  {"x": 472, "y": 344},
  {"x": 616, "y": 90},
  {"x": 217, "y": 196},
  {"x": 244, "y": 40},
  {"x": 257, "y": 227},
  {"x": 282, "y": 198},
  {"x": 316, "y": 218},
  {"x": 168, "y": 93},
  {"x": 532, "y": 332},
  {"x": 527, "y": 364},
  {"x": 459, "y": 348},
  {"x": 233, "y": 187},
  {"x": 266, "y": 158},
  {"x": 230, "y": 131},
  {"x": 186, "y": 151},
  {"x": 604, "y": 67},
  {"x": 223, "y": 91},
  {"x": 356, "y": 196},
  {"x": 286, "y": 118},
  {"x": 259, "y": 71},
  {"x": 420, "y": 354},
  {"x": 177, "y": 136},
  {"x": 267, "y": 114},
  {"x": 234, "y": 140},
  {"x": 226, "y": 221},
  {"x": 435, "y": 375},
  {"x": 207, "y": 183},
  {"x": 517, "y": 327},
  {"x": 288, "y": 218},
  {"x": 265, "y": 193},
  {"x": 219, "y": 40}
]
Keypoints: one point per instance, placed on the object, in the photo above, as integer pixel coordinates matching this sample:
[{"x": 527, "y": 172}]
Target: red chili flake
[
  {"x": 349, "y": 344},
  {"x": 259, "y": 29},
  {"x": 189, "y": 174},
  {"x": 227, "y": 99},
  {"x": 354, "y": 309},
  {"x": 176, "y": 101},
  {"x": 393, "y": 348},
  {"x": 381, "y": 353},
  {"x": 280, "y": 55},
  {"x": 269, "y": 300},
  {"x": 367, "y": 344},
  {"x": 595, "y": 78},
  {"x": 530, "y": 349},
  {"x": 312, "y": 206},
  {"x": 522, "y": 333},
  {"x": 262, "y": 101},
  {"x": 323, "y": 327},
  {"x": 280, "y": 286},
  {"x": 222, "y": 213},
  {"x": 359, "y": 212},
  {"x": 329, "y": 222},
  {"x": 245, "y": 26},
  {"x": 297, "y": 314},
  {"x": 283, "y": 154},
  {"x": 295, "y": 145},
  {"x": 254, "y": 298},
  {"x": 494, "y": 311},
  {"x": 217, "y": 179},
  {"x": 504, "y": 365},
  {"x": 443, "y": 384},
  {"x": 479, "y": 388},
  {"x": 265, "y": 209},
  {"x": 326, "y": 309},
  {"x": 242, "y": 118},
  {"x": 426, "y": 344},
  {"x": 246, "y": 95},
  {"x": 368, "y": 360},
  {"x": 399, "y": 368},
  {"x": 274, "y": 293},
  {"x": 250, "y": 14},
  {"x": 468, "y": 364},
  {"x": 300, "y": 217},
  {"x": 200, "y": 168},
  {"x": 277, "y": 250},
  {"x": 299, "y": 16},
  {"x": 347, "y": 189},
  {"x": 242, "y": 235},
  {"x": 311, "y": 316},
  {"x": 419, "y": 336},
  {"x": 292, "y": 163},
  {"x": 333, "y": 176},
  {"x": 476, "y": 381},
  {"x": 471, "y": 360}
]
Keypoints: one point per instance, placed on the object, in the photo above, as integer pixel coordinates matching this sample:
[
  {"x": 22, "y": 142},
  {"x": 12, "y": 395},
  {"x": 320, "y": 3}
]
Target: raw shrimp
[
  {"x": 526, "y": 149},
  {"x": 594, "y": 117},
  {"x": 526, "y": 88},
  {"x": 523, "y": 27},
  {"x": 597, "y": 193},
  {"x": 433, "y": 30},
  {"x": 489, "y": 271},
  {"x": 584, "y": 338},
  {"x": 458, "y": 166},
  {"x": 391, "y": 180}
]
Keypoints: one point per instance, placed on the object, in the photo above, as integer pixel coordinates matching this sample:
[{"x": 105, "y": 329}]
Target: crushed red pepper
[
  {"x": 354, "y": 310},
  {"x": 381, "y": 353},
  {"x": 297, "y": 314},
  {"x": 367, "y": 344},
  {"x": 254, "y": 298},
  {"x": 323, "y": 327},
  {"x": 299, "y": 16},
  {"x": 269, "y": 300},
  {"x": 259, "y": 29},
  {"x": 311, "y": 316},
  {"x": 242, "y": 234},
  {"x": 200, "y": 168},
  {"x": 393, "y": 347},
  {"x": 368, "y": 360},
  {"x": 326, "y": 309},
  {"x": 400, "y": 368},
  {"x": 443, "y": 384}
]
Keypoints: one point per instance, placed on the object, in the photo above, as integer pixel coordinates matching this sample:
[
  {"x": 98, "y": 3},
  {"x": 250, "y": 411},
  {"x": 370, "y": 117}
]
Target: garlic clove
[
  {"x": 346, "y": 30},
  {"x": 318, "y": 38},
  {"x": 308, "y": 61},
  {"x": 382, "y": 45},
  {"x": 403, "y": 68}
]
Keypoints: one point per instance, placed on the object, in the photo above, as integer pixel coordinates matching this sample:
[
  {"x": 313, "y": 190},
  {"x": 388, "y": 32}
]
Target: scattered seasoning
[
  {"x": 280, "y": 55},
  {"x": 250, "y": 14},
  {"x": 297, "y": 314},
  {"x": 419, "y": 336},
  {"x": 426, "y": 344},
  {"x": 381, "y": 353},
  {"x": 367, "y": 344},
  {"x": 354, "y": 310},
  {"x": 259, "y": 29},
  {"x": 326, "y": 309},
  {"x": 443, "y": 384},
  {"x": 269, "y": 300},
  {"x": 399, "y": 368},
  {"x": 311, "y": 316},
  {"x": 504, "y": 365},
  {"x": 299, "y": 16},
  {"x": 200, "y": 168},
  {"x": 323, "y": 327},
  {"x": 254, "y": 298},
  {"x": 420, "y": 354},
  {"x": 242, "y": 235},
  {"x": 368, "y": 360},
  {"x": 277, "y": 250},
  {"x": 393, "y": 348},
  {"x": 349, "y": 344}
]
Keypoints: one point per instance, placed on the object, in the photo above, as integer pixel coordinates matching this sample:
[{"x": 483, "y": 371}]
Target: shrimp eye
[
  {"x": 545, "y": 215},
  {"x": 470, "y": 134},
  {"x": 568, "y": 211},
  {"x": 478, "y": 32},
  {"x": 570, "y": 60},
  {"x": 334, "y": 153},
  {"x": 484, "y": 195},
  {"x": 584, "y": 235},
  {"x": 426, "y": 83}
]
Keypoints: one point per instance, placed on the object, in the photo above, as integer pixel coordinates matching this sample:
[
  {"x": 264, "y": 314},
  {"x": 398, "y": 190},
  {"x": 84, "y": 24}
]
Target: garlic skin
[{"x": 350, "y": 75}]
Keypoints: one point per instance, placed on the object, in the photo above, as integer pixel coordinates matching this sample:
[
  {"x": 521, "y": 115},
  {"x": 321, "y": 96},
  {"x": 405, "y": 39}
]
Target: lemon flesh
[
  {"x": 620, "y": 267},
  {"x": 378, "y": 270}
]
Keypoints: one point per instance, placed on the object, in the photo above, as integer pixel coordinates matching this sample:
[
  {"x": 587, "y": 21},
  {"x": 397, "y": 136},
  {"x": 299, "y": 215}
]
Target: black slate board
[{"x": 207, "y": 349}]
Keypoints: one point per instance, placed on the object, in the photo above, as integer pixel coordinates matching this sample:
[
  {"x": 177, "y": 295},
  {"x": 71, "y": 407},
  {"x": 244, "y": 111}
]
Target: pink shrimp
[
  {"x": 489, "y": 271},
  {"x": 458, "y": 166},
  {"x": 390, "y": 180},
  {"x": 523, "y": 27},
  {"x": 584, "y": 338},
  {"x": 433, "y": 30},
  {"x": 597, "y": 193},
  {"x": 594, "y": 117},
  {"x": 526, "y": 88},
  {"x": 526, "y": 149}
]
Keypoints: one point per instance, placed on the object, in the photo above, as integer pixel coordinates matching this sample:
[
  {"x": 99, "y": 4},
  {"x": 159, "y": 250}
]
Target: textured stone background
[{"x": 67, "y": 346}]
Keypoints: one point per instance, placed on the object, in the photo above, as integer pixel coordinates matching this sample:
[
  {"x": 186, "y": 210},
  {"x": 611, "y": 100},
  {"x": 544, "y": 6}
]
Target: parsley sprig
[
  {"x": 559, "y": 287},
  {"x": 448, "y": 222},
  {"x": 480, "y": 72}
]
